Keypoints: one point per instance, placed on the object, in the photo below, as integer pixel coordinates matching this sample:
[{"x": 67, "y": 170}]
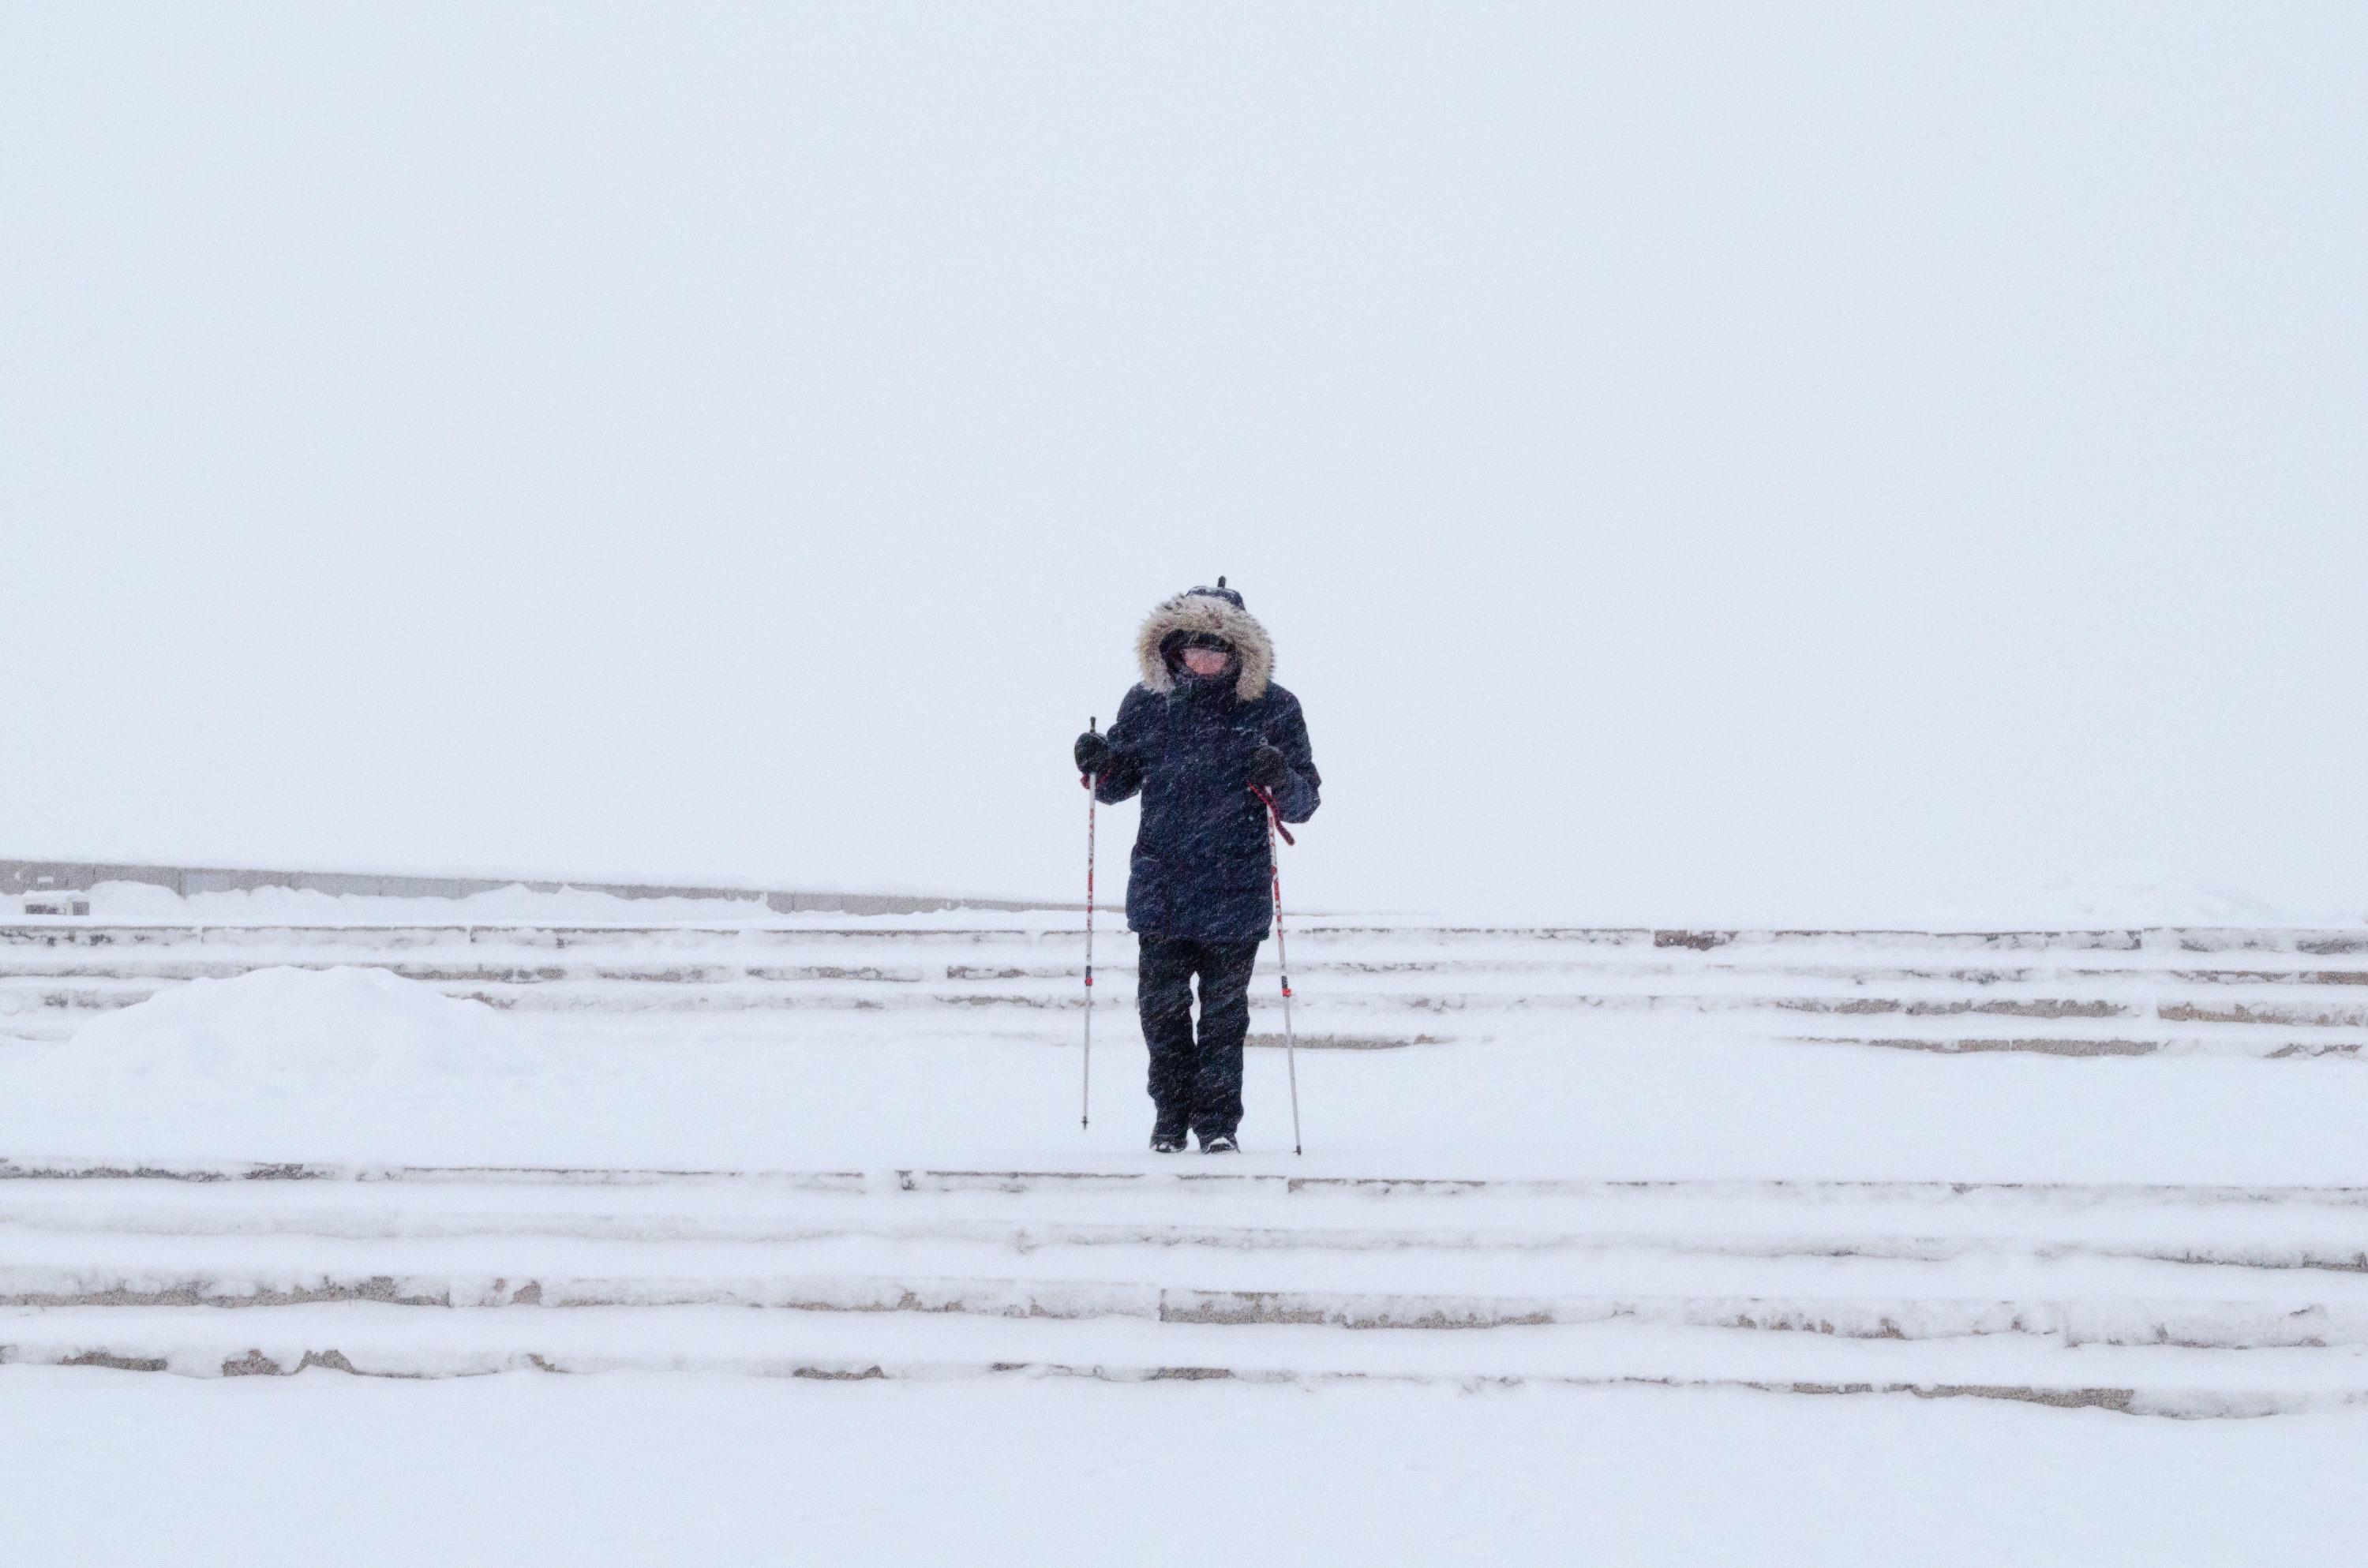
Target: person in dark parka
[{"x": 1205, "y": 723}]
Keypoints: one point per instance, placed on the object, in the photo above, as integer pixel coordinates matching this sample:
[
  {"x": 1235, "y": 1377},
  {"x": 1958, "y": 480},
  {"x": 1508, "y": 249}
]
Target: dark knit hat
[{"x": 1221, "y": 592}]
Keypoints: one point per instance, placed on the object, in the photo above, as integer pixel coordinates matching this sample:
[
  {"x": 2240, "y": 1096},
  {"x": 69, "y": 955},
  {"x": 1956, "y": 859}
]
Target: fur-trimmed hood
[{"x": 1217, "y": 610}]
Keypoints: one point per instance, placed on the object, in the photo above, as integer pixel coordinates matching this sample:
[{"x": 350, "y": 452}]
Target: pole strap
[{"x": 1274, "y": 812}]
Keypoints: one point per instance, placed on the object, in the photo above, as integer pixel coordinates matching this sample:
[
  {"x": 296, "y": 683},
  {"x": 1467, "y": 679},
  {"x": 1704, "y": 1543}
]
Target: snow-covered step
[
  {"x": 2163, "y": 1260},
  {"x": 889, "y": 953},
  {"x": 1183, "y": 1179},
  {"x": 2257, "y": 1048},
  {"x": 2187, "y": 1300},
  {"x": 2297, "y": 1264},
  {"x": 2155, "y": 1268},
  {"x": 621, "y": 990},
  {"x": 486, "y": 964},
  {"x": 373, "y": 1338},
  {"x": 2166, "y": 976},
  {"x": 1534, "y": 1248},
  {"x": 2208, "y": 1324},
  {"x": 1352, "y": 1019},
  {"x": 2146, "y": 946}
]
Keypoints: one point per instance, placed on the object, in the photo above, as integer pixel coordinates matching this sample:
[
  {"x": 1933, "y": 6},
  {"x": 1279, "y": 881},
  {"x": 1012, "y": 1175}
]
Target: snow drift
[{"x": 333, "y": 1040}]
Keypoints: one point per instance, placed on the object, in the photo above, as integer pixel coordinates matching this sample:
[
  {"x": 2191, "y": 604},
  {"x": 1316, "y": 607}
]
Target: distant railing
[{"x": 20, "y": 877}]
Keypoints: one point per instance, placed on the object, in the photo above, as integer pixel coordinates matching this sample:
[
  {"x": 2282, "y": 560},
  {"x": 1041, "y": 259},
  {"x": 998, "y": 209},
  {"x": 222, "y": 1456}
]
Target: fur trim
[{"x": 1206, "y": 612}]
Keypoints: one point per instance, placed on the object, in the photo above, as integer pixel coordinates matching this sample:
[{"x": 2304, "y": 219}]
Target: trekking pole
[
  {"x": 1282, "y": 954},
  {"x": 1093, "y": 796}
]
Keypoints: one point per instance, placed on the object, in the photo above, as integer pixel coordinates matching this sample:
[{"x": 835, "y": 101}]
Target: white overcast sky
[{"x": 1702, "y": 461}]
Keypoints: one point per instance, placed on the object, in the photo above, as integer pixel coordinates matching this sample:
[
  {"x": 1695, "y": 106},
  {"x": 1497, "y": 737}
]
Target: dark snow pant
[{"x": 1196, "y": 1082}]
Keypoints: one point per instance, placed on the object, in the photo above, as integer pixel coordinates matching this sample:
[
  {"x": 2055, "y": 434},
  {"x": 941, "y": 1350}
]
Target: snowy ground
[
  {"x": 118, "y": 1468},
  {"x": 2112, "y": 1174}
]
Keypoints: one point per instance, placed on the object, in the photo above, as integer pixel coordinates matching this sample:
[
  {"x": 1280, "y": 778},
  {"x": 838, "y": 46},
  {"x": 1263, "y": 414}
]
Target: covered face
[
  {"x": 1204, "y": 655},
  {"x": 1204, "y": 635}
]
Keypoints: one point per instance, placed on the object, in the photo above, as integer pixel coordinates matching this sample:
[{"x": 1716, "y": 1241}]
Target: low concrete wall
[{"x": 18, "y": 877}]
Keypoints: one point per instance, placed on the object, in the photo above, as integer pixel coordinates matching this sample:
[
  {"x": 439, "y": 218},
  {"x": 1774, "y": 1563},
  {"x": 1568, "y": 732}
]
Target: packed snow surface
[{"x": 629, "y": 1468}]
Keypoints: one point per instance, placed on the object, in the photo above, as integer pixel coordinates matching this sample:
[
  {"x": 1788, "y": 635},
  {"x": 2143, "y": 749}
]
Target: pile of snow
[
  {"x": 343, "y": 1033},
  {"x": 289, "y": 1064}
]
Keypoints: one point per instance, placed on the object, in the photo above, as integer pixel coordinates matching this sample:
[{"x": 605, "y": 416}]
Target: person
[{"x": 1204, "y": 725}]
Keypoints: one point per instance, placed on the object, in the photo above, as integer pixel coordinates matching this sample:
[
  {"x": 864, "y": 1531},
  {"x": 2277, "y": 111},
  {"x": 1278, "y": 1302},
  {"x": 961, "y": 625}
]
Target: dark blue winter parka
[{"x": 1200, "y": 867}]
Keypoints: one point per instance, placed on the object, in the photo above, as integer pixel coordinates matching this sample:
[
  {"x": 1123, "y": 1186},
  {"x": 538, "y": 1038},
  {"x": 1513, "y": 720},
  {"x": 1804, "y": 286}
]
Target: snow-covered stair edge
[
  {"x": 2203, "y": 1324},
  {"x": 2188, "y": 1405},
  {"x": 1055, "y": 926},
  {"x": 1172, "y": 1176},
  {"x": 2163, "y": 1383}
]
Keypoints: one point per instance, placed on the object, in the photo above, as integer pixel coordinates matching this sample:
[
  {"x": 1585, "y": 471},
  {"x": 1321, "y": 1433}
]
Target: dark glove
[
  {"x": 1269, "y": 767},
  {"x": 1093, "y": 753}
]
